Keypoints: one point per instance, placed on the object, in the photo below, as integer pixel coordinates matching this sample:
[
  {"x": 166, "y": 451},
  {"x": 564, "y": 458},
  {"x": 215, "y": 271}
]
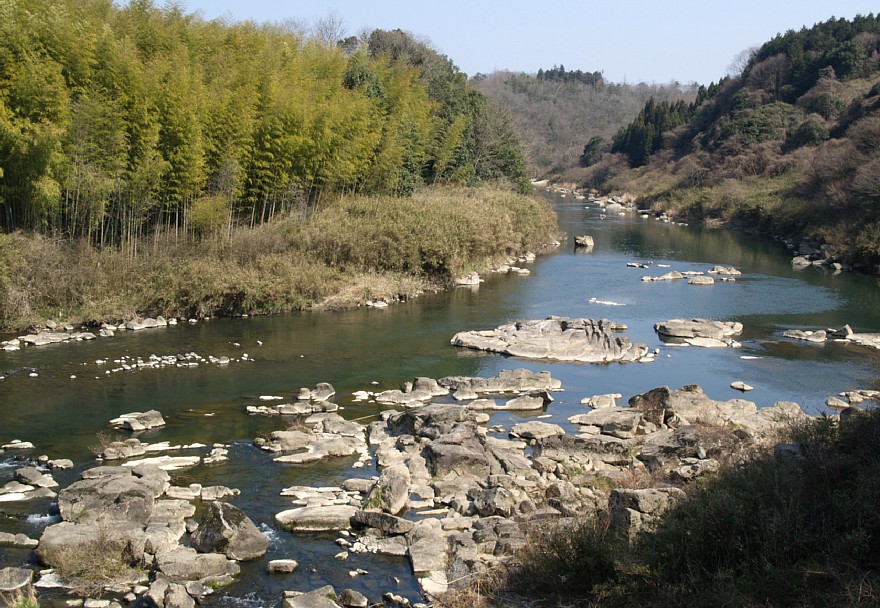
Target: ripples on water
[{"x": 355, "y": 349}]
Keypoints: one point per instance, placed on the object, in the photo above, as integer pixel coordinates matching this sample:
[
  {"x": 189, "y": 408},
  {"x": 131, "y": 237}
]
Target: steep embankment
[{"x": 788, "y": 147}]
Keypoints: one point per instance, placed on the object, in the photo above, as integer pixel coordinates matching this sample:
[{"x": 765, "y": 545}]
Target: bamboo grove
[{"x": 117, "y": 122}]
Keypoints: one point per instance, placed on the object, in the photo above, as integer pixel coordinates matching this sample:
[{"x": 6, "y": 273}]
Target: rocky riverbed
[{"x": 451, "y": 494}]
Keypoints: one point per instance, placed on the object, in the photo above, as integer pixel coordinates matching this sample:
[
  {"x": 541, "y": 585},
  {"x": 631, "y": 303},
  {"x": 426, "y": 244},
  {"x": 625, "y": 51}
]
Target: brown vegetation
[{"x": 351, "y": 250}]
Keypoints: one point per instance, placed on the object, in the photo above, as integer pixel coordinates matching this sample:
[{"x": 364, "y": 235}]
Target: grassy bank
[
  {"x": 801, "y": 530},
  {"x": 346, "y": 252}
]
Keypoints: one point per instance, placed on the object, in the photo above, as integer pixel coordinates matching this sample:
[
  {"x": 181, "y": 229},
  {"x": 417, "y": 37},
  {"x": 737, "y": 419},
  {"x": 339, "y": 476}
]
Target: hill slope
[
  {"x": 556, "y": 111},
  {"x": 788, "y": 147}
]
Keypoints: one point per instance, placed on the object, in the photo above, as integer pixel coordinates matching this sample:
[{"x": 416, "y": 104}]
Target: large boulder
[
  {"x": 111, "y": 498},
  {"x": 507, "y": 381},
  {"x": 185, "y": 564},
  {"x": 225, "y": 529},
  {"x": 316, "y": 519},
  {"x": 700, "y": 332},
  {"x": 461, "y": 452},
  {"x": 557, "y": 338},
  {"x": 165, "y": 594},
  {"x": 138, "y": 421},
  {"x": 635, "y": 511},
  {"x": 15, "y": 581},
  {"x": 62, "y": 540}
]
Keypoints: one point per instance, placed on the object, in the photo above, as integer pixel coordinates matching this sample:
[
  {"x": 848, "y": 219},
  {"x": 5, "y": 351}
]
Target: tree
[{"x": 592, "y": 151}]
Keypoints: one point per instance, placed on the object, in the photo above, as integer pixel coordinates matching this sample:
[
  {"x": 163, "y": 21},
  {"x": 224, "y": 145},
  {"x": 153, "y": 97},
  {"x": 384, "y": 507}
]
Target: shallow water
[{"x": 63, "y": 415}]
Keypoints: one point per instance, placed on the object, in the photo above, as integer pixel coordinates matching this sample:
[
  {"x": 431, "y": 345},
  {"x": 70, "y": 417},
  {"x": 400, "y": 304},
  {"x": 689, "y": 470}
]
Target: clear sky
[{"x": 631, "y": 40}]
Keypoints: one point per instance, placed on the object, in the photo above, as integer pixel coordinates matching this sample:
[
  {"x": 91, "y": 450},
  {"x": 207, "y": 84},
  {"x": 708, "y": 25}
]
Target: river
[{"x": 64, "y": 407}]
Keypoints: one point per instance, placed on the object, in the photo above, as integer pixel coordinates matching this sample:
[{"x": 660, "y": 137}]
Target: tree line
[{"x": 120, "y": 121}]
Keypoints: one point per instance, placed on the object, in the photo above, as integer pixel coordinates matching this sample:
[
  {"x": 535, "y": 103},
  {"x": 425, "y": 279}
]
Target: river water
[{"x": 68, "y": 403}]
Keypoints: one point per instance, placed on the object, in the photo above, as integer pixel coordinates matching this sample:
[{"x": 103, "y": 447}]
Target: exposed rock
[
  {"x": 185, "y": 564},
  {"x": 616, "y": 421},
  {"x": 282, "y": 566},
  {"x": 427, "y": 547},
  {"x": 165, "y": 594},
  {"x": 7, "y": 539},
  {"x": 818, "y": 337},
  {"x": 316, "y": 519},
  {"x": 725, "y": 270},
  {"x": 535, "y": 429},
  {"x": 634, "y": 511},
  {"x": 33, "y": 476},
  {"x": 700, "y": 332},
  {"x": 15, "y": 581},
  {"x": 461, "y": 453},
  {"x": 741, "y": 386},
  {"x": 138, "y": 421},
  {"x": 701, "y": 281},
  {"x": 352, "y": 599},
  {"x": 556, "y": 338},
  {"x": 388, "y": 524},
  {"x": 122, "y": 498},
  {"x": 599, "y": 401},
  {"x": 324, "y": 597},
  {"x": 469, "y": 279},
  {"x": 223, "y": 528},
  {"x": 584, "y": 241},
  {"x": 669, "y": 276},
  {"x": 507, "y": 381}
]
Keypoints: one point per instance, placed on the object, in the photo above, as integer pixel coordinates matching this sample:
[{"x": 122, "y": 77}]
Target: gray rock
[
  {"x": 15, "y": 581},
  {"x": 616, "y": 421},
  {"x": 352, "y": 599},
  {"x": 316, "y": 519},
  {"x": 185, "y": 564},
  {"x": 507, "y": 381},
  {"x": 138, "y": 421},
  {"x": 428, "y": 547},
  {"x": 122, "y": 498},
  {"x": 635, "y": 511},
  {"x": 165, "y": 594},
  {"x": 66, "y": 537},
  {"x": 223, "y": 528},
  {"x": 556, "y": 338},
  {"x": 7, "y": 539},
  {"x": 817, "y": 337},
  {"x": 322, "y": 391},
  {"x": 33, "y": 476},
  {"x": 741, "y": 386},
  {"x": 282, "y": 566},
  {"x": 700, "y": 332},
  {"x": 464, "y": 457},
  {"x": 324, "y": 597},
  {"x": 725, "y": 270},
  {"x": 385, "y": 522},
  {"x": 701, "y": 281},
  {"x": 535, "y": 429}
]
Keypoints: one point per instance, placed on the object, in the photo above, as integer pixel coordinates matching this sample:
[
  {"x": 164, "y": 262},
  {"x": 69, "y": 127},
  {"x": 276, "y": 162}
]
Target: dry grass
[
  {"x": 91, "y": 566},
  {"x": 348, "y": 251}
]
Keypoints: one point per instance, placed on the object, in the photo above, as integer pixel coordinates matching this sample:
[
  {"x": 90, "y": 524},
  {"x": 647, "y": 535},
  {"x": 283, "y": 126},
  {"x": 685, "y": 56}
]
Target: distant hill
[
  {"x": 557, "y": 111},
  {"x": 789, "y": 146}
]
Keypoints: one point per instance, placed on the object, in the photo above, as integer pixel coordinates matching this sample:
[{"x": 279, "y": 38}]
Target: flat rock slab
[
  {"x": 558, "y": 339},
  {"x": 14, "y": 580},
  {"x": 700, "y": 332},
  {"x": 316, "y": 519},
  {"x": 535, "y": 430}
]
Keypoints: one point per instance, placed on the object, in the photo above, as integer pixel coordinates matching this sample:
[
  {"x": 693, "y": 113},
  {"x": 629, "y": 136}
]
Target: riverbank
[{"x": 346, "y": 253}]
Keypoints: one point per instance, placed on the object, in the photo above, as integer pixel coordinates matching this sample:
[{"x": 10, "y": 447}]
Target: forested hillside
[
  {"x": 120, "y": 121},
  {"x": 557, "y": 111},
  {"x": 789, "y": 146}
]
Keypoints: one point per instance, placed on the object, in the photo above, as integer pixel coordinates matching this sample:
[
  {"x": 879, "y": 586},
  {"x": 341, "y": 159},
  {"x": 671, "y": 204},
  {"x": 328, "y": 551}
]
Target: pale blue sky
[{"x": 632, "y": 40}]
